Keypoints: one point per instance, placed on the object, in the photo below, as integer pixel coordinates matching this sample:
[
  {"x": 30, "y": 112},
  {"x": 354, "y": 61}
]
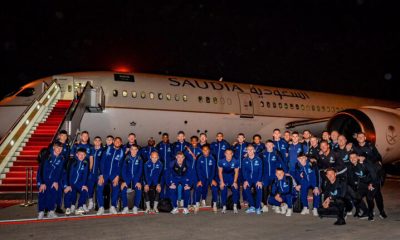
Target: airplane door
[
  {"x": 66, "y": 87},
  {"x": 246, "y": 105}
]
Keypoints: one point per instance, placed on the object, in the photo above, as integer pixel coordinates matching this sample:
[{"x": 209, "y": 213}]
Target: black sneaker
[
  {"x": 340, "y": 222},
  {"x": 356, "y": 214},
  {"x": 59, "y": 210},
  {"x": 364, "y": 216},
  {"x": 371, "y": 218},
  {"x": 383, "y": 215}
]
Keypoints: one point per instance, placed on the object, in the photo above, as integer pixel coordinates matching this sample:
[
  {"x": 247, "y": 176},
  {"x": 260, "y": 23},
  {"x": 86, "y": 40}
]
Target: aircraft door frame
[
  {"x": 67, "y": 87},
  {"x": 246, "y": 105}
]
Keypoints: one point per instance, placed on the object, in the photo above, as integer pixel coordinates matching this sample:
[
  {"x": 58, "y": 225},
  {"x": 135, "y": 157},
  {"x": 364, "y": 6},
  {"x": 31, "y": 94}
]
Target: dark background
[{"x": 348, "y": 47}]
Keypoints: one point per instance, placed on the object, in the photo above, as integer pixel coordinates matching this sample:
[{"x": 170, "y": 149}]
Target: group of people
[{"x": 275, "y": 173}]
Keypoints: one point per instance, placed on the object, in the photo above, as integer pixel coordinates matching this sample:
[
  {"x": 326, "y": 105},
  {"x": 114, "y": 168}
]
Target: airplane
[{"x": 150, "y": 104}]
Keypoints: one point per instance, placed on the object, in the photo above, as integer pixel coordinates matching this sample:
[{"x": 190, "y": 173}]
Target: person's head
[
  {"x": 286, "y": 136},
  {"x": 63, "y": 136},
  {"x": 325, "y": 136},
  {"x": 279, "y": 173},
  {"x": 361, "y": 138},
  {"x": 257, "y": 139},
  {"x": 205, "y": 149},
  {"x": 324, "y": 145},
  {"x": 241, "y": 138},
  {"x": 331, "y": 174},
  {"x": 109, "y": 140},
  {"x": 203, "y": 138},
  {"x": 165, "y": 138},
  {"x": 181, "y": 136},
  {"x": 134, "y": 150},
  {"x": 97, "y": 141},
  {"x": 314, "y": 141},
  {"x": 302, "y": 158},
  {"x": 334, "y": 135},
  {"x": 342, "y": 141},
  {"x": 84, "y": 136},
  {"x": 154, "y": 157},
  {"x": 180, "y": 157},
  {"x": 132, "y": 138},
  {"x": 57, "y": 148},
  {"x": 276, "y": 134},
  {"x": 81, "y": 154},
  {"x": 295, "y": 137},
  {"x": 151, "y": 142},
  {"x": 306, "y": 134},
  {"x": 269, "y": 145},
  {"x": 194, "y": 140},
  {"x": 228, "y": 154},
  {"x": 220, "y": 136},
  {"x": 353, "y": 158},
  {"x": 250, "y": 150},
  {"x": 117, "y": 142}
]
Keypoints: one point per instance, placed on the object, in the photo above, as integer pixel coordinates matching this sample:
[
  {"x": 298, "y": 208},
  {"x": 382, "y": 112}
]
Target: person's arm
[
  {"x": 260, "y": 171},
  {"x": 146, "y": 174},
  {"x": 221, "y": 178},
  {"x": 85, "y": 175},
  {"x": 125, "y": 167}
]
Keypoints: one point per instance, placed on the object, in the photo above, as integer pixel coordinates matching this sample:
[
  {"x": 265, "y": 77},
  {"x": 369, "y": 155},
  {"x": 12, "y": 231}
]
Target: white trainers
[
  {"x": 277, "y": 209},
  {"x": 52, "y": 214},
  {"x": 113, "y": 210},
  {"x": 79, "y": 211},
  {"x": 305, "y": 211},
  {"x": 203, "y": 203},
  {"x": 40, "y": 215},
  {"x": 315, "y": 212},
  {"x": 215, "y": 209},
  {"x": 175, "y": 211},
  {"x": 289, "y": 212},
  {"x": 147, "y": 210},
  {"x": 235, "y": 210},
  {"x": 125, "y": 210},
  {"x": 265, "y": 208},
  {"x": 186, "y": 211},
  {"x": 85, "y": 209},
  {"x": 72, "y": 208},
  {"x": 68, "y": 211},
  {"x": 155, "y": 210},
  {"x": 91, "y": 204},
  {"x": 284, "y": 208},
  {"x": 100, "y": 211},
  {"x": 196, "y": 208},
  {"x": 223, "y": 209},
  {"x": 182, "y": 203},
  {"x": 135, "y": 210}
]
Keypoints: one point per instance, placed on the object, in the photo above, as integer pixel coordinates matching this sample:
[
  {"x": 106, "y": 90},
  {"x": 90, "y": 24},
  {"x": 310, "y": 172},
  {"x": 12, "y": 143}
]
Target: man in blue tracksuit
[
  {"x": 191, "y": 154},
  {"x": 145, "y": 152},
  {"x": 152, "y": 181},
  {"x": 94, "y": 173},
  {"x": 306, "y": 178},
  {"x": 131, "y": 175},
  {"x": 228, "y": 173},
  {"x": 85, "y": 144},
  {"x": 252, "y": 176},
  {"x": 75, "y": 181},
  {"x": 281, "y": 193},
  {"x": 164, "y": 149},
  {"x": 110, "y": 169},
  {"x": 295, "y": 148},
  {"x": 205, "y": 169},
  {"x": 271, "y": 161},
  {"x": 180, "y": 145},
  {"x": 280, "y": 144},
  {"x": 258, "y": 145},
  {"x": 48, "y": 176},
  {"x": 179, "y": 175},
  {"x": 131, "y": 141},
  {"x": 219, "y": 146},
  {"x": 240, "y": 149}
]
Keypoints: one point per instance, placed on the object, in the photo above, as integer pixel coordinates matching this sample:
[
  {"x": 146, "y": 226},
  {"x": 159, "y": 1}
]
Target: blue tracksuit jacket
[
  {"x": 218, "y": 149},
  {"x": 111, "y": 163},
  {"x": 252, "y": 170},
  {"x": 153, "y": 173},
  {"x": 132, "y": 170}
]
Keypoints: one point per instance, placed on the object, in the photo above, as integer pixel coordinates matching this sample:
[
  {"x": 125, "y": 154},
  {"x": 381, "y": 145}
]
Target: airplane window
[
  {"x": 274, "y": 104},
  {"x": 308, "y": 107},
  {"x": 134, "y": 94},
  {"x": 177, "y": 97},
  {"x": 268, "y": 104},
  {"x": 323, "y": 108},
  {"x": 208, "y": 100},
  {"x": 318, "y": 108},
  {"x": 297, "y": 107},
  {"x": 115, "y": 93},
  {"x": 215, "y": 100},
  {"x": 26, "y": 92},
  {"x": 261, "y": 103},
  {"x": 184, "y": 98},
  {"x": 229, "y": 101},
  {"x": 168, "y": 96},
  {"x": 151, "y": 95},
  {"x": 250, "y": 103},
  {"x": 291, "y": 106},
  {"x": 200, "y": 99},
  {"x": 143, "y": 95},
  {"x": 286, "y": 106},
  {"x": 302, "y": 107},
  {"x": 313, "y": 107},
  {"x": 160, "y": 96},
  {"x": 280, "y": 105},
  {"x": 222, "y": 100},
  {"x": 124, "y": 93}
]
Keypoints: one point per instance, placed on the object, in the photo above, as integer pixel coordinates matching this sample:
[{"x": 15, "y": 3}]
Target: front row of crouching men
[{"x": 265, "y": 177}]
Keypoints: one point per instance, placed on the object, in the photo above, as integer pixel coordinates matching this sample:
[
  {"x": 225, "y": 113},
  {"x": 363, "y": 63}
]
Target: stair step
[
  {"x": 14, "y": 187},
  {"x": 22, "y": 180}
]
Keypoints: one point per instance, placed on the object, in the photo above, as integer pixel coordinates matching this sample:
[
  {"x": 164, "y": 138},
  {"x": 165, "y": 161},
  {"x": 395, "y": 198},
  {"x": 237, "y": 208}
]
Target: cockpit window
[{"x": 26, "y": 92}]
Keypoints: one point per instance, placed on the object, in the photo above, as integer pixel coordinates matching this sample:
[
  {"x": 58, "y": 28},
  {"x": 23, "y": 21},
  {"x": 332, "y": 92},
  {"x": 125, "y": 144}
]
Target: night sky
[{"x": 348, "y": 47}]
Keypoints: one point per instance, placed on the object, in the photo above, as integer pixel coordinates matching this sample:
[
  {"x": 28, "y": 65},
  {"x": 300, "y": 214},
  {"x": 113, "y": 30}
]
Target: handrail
[
  {"x": 62, "y": 122},
  {"x": 80, "y": 99},
  {"x": 26, "y": 110}
]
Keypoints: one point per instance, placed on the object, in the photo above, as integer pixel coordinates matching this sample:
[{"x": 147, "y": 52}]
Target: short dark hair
[
  {"x": 301, "y": 155},
  {"x": 205, "y": 146},
  {"x": 131, "y": 134},
  {"x": 81, "y": 150},
  {"x": 240, "y": 134},
  {"x": 85, "y": 132},
  {"x": 110, "y": 136},
  {"x": 194, "y": 137},
  {"x": 97, "y": 137},
  {"x": 165, "y": 134},
  {"x": 269, "y": 141},
  {"x": 63, "y": 132},
  {"x": 181, "y": 132},
  {"x": 295, "y": 132},
  {"x": 330, "y": 169},
  {"x": 257, "y": 135},
  {"x": 279, "y": 169},
  {"x": 277, "y": 129}
]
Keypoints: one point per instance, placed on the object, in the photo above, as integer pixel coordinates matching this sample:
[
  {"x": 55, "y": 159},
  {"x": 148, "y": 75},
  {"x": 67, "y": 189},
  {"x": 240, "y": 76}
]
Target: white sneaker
[
  {"x": 113, "y": 210},
  {"x": 265, "y": 208},
  {"x": 289, "y": 212},
  {"x": 91, "y": 204},
  {"x": 125, "y": 210},
  {"x": 277, "y": 209},
  {"x": 175, "y": 211},
  {"x": 305, "y": 211},
  {"x": 215, "y": 209},
  {"x": 72, "y": 208},
  {"x": 155, "y": 210},
  {"x": 315, "y": 212},
  {"x": 100, "y": 211},
  {"x": 284, "y": 208},
  {"x": 186, "y": 211},
  {"x": 52, "y": 214},
  {"x": 223, "y": 209},
  {"x": 135, "y": 210},
  {"x": 40, "y": 215},
  {"x": 273, "y": 207},
  {"x": 235, "y": 210},
  {"x": 85, "y": 208},
  {"x": 203, "y": 203},
  {"x": 147, "y": 210},
  {"x": 182, "y": 203},
  {"x": 79, "y": 211},
  {"x": 68, "y": 211}
]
